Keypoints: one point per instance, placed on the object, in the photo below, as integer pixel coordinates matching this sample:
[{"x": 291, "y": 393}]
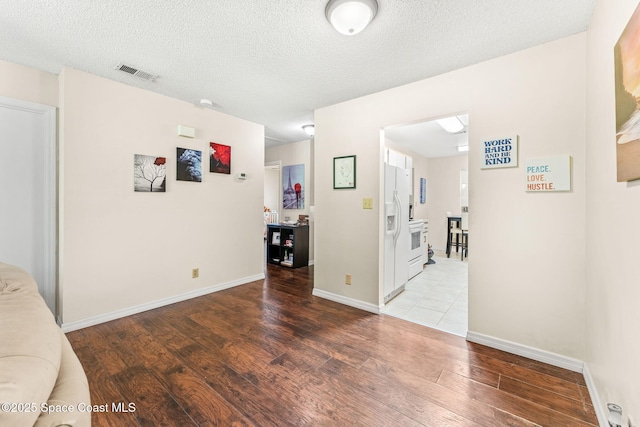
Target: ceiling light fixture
[
  {"x": 309, "y": 129},
  {"x": 462, "y": 148},
  {"x": 349, "y": 17},
  {"x": 451, "y": 124},
  {"x": 206, "y": 103}
]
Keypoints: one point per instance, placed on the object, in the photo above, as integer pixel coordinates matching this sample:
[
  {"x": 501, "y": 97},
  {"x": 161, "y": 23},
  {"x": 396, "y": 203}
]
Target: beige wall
[
  {"x": 295, "y": 154},
  {"x": 123, "y": 249},
  {"x": 526, "y": 276},
  {"x": 443, "y": 195},
  {"x": 28, "y": 84},
  {"x": 119, "y": 249},
  {"x": 613, "y": 270}
]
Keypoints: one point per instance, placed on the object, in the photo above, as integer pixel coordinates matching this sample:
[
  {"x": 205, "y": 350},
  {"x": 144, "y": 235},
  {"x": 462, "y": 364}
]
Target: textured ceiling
[{"x": 274, "y": 61}]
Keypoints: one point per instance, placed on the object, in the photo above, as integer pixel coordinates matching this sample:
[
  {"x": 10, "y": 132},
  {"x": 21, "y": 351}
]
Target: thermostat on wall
[{"x": 242, "y": 175}]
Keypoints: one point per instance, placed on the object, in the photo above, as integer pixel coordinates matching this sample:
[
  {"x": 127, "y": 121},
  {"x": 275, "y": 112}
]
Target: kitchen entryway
[
  {"x": 437, "y": 297},
  {"x": 435, "y": 153}
]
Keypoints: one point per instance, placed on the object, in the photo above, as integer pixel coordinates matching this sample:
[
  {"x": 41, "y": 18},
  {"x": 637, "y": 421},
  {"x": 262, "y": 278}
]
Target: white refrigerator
[{"x": 396, "y": 230}]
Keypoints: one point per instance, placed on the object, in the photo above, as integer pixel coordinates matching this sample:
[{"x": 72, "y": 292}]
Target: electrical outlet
[
  {"x": 347, "y": 279},
  {"x": 195, "y": 273}
]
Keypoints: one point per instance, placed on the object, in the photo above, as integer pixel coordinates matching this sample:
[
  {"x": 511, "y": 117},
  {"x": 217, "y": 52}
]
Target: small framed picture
[
  {"x": 219, "y": 158},
  {"x": 275, "y": 238},
  {"x": 344, "y": 172}
]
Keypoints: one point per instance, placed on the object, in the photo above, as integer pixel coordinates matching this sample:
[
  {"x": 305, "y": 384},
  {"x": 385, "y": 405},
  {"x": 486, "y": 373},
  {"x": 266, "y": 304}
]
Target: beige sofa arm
[{"x": 71, "y": 390}]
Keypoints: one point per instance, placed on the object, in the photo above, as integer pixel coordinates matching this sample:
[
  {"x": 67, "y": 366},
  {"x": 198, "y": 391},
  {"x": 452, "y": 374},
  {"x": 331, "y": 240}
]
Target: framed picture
[
  {"x": 293, "y": 187},
  {"x": 500, "y": 152},
  {"x": 189, "y": 165},
  {"x": 219, "y": 158},
  {"x": 149, "y": 173},
  {"x": 627, "y": 73},
  {"x": 344, "y": 172},
  {"x": 275, "y": 238}
]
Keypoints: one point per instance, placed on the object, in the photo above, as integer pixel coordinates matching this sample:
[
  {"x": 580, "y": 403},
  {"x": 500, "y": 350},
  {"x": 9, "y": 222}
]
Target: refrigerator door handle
[{"x": 396, "y": 198}]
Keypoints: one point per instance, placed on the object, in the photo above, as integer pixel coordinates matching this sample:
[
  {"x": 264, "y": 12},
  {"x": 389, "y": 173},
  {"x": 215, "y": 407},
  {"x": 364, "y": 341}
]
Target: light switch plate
[{"x": 367, "y": 203}]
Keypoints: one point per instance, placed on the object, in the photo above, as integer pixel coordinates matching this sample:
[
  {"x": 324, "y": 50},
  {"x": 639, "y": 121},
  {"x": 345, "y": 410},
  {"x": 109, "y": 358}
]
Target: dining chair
[
  {"x": 454, "y": 230},
  {"x": 464, "y": 235}
]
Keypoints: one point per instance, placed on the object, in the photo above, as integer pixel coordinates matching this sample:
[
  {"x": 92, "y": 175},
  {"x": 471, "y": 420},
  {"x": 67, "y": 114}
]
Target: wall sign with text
[
  {"x": 500, "y": 152},
  {"x": 549, "y": 174}
]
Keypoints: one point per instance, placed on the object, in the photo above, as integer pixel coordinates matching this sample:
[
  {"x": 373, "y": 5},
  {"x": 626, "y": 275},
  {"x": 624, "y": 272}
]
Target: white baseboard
[
  {"x": 602, "y": 415},
  {"x": 529, "y": 352},
  {"x": 79, "y": 324},
  {"x": 347, "y": 301},
  {"x": 311, "y": 262},
  {"x": 550, "y": 358}
]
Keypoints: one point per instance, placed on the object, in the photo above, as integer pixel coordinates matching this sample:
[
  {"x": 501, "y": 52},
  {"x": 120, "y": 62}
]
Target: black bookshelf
[{"x": 288, "y": 245}]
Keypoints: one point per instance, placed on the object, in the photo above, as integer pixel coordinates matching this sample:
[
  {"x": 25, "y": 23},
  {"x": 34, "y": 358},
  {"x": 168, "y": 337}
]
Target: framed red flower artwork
[
  {"x": 149, "y": 173},
  {"x": 220, "y": 158}
]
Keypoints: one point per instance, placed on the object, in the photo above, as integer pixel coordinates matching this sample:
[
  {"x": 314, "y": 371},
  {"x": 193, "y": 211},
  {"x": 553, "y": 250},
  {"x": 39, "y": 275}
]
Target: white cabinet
[
  {"x": 396, "y": 158},
  {"x": 425, "y": 241}
]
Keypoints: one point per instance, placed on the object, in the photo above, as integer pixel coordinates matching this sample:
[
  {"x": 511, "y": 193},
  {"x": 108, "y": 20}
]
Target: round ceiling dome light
[
  {"x": 309, "y": 129},
  {"x": 349, "y": 17}
]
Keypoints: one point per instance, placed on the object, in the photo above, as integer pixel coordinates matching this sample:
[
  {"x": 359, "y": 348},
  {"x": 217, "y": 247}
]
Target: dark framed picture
[
  {"x": 189, "y": 165},
  {"x": 344, "y": 172},
  {"x": 219, "y": 158}
]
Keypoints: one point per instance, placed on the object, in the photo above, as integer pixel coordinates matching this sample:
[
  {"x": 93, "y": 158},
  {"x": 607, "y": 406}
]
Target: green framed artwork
[{"x": 344, "y": 172}]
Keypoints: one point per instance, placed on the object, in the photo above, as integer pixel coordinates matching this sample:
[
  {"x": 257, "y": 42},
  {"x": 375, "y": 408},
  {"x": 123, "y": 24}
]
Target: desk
[{"x": 450, "y": 221}]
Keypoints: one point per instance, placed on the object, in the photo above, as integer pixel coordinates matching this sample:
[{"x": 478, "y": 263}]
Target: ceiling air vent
[{"x": 135, "y": 72}]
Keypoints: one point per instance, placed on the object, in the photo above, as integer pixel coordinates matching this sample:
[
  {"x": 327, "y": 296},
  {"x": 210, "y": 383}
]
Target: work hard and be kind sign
[
  {"x": 500, "y": 152},
  {"x": 544, "y": 174}
]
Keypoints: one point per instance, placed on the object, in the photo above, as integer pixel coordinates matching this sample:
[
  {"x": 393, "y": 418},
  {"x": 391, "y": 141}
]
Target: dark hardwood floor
[{"x": 270, "y": 354}]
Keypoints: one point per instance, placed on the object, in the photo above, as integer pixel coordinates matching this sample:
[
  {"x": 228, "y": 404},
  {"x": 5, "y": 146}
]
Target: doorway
[
  {"x": 28, "y": 185},
  {"x": 438, "y": 295},
  {"x": 272, "y": 187},
  {"x": 272, "y": 197}
]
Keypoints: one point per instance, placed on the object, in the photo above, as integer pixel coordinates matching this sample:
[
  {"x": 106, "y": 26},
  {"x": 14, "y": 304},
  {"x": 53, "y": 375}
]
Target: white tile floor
[{"x": 437, "y": 297}]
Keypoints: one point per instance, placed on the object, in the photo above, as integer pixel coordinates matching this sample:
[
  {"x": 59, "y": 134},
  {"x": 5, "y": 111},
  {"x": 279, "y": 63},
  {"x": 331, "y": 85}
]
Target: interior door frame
[
  {"x": 277, "y": 164},
  {"x": 48, "y": 116},
  {"x": 381, "y": 197}
]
